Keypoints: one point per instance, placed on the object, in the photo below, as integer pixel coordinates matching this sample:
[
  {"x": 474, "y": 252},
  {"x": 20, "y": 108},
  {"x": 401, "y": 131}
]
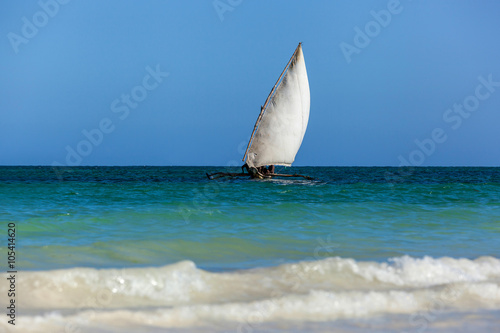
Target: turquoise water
[
  {"x": 99, "y": 222},
  {"x": 124, "y": 217}
]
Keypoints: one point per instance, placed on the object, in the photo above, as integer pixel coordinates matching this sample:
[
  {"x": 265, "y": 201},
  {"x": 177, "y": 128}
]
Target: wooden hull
[{"x": 257, "y": 175}]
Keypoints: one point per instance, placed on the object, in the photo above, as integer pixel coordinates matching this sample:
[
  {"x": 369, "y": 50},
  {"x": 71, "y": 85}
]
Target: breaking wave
[{"x": 183, "y": 296}]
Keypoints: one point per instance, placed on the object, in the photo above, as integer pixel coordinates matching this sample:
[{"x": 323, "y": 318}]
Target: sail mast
[{"x": 263, "y": 108}]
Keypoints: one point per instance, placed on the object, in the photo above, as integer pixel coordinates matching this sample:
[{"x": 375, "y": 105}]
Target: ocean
[{"x": 165, "y": 249}]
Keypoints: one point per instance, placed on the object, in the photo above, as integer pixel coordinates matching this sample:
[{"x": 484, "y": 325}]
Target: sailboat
[{"x": 281, "y": 124}]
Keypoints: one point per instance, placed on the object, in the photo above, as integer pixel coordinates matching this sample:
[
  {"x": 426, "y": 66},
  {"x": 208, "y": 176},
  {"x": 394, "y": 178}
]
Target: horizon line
[{"x": 225, "y": 166}]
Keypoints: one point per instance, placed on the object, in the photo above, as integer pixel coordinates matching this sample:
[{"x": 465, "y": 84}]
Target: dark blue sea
[{"x": 156, "y": 249}]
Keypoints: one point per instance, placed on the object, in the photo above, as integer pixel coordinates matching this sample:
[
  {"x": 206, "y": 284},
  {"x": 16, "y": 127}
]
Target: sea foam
[{"x": 182, "y": 295}]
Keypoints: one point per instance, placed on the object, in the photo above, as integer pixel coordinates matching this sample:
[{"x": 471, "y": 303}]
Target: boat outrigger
[{"x": 281, "y": 125}]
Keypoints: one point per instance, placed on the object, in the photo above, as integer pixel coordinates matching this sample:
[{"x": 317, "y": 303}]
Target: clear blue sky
[{"x": 421, "y": 85}]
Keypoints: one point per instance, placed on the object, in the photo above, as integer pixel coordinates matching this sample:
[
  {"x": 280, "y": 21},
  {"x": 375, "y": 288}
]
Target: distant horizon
[{"x": 222, "y": 166}]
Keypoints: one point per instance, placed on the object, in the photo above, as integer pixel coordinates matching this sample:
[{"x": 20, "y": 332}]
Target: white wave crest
[{"x": 182, "y": 295}]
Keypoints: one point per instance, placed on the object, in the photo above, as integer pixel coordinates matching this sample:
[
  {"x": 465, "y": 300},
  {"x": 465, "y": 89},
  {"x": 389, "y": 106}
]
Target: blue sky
[{"x": 181, "y": 82}]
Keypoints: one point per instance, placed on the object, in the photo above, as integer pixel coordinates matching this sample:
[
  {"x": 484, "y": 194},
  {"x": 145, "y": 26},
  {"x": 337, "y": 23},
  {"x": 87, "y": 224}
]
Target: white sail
[{"x": 282, "y": 124}]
